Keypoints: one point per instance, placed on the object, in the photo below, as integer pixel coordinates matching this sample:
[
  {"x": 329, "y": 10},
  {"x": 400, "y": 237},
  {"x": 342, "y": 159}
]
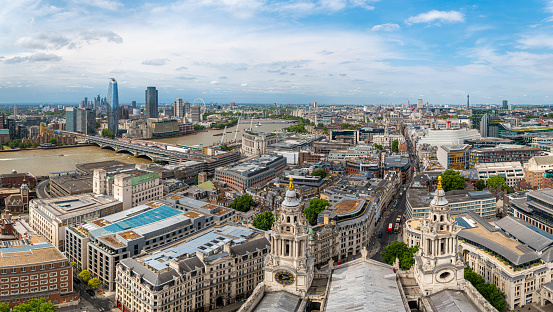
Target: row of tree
[
  {"x": 452, "y": 180},
  {"x": 221, "y": 125},
  {"x": 489, "y": 291},
  {"x": 34, "y": 305}
]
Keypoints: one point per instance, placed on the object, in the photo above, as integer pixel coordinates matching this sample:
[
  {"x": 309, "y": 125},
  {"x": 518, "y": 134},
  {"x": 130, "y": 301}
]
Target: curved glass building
[{"x": 113, "y": 107}]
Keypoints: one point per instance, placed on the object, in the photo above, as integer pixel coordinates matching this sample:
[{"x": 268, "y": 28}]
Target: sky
[{"x": 267, "y": 51}]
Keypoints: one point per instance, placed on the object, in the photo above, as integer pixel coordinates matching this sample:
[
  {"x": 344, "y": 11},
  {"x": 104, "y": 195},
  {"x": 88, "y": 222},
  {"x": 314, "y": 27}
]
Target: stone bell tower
[
  {"x": 289, "y": 266},
  {"x": 438, "y": 264}
]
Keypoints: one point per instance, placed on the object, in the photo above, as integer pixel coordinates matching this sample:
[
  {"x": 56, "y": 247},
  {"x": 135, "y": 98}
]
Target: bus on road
[{"x": 390, "y": 228}]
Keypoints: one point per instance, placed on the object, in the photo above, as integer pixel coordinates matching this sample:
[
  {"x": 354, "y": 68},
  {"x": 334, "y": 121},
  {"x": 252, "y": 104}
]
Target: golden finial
[
  {"x": 439, "y": 182},
  {"x": 291, "y": 185}
]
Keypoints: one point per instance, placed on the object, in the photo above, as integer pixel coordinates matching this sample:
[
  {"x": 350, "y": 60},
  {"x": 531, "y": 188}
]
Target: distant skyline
[{"x": 261, "y": 51}]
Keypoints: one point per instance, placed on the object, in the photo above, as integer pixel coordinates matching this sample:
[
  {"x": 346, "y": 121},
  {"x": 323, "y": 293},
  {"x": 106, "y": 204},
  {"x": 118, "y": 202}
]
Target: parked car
[
  {"x": 90, "y": 292},
  {"x": 76, "y": 280}
]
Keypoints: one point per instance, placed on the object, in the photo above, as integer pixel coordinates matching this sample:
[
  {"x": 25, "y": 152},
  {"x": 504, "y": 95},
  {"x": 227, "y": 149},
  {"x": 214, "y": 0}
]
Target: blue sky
[{"x": 266, "y": 51}]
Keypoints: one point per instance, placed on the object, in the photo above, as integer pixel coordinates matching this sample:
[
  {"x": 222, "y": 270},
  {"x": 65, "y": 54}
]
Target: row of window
[{"x": 32, "y": 268}]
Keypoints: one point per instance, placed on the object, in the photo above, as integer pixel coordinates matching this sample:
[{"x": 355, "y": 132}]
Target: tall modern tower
[
  {"x": 179, "y": 108},
  {"x": 151, "y": 110},
  {"x": 113, "y": 107},
  {"x": 505, "y": 104},
  {"x": 468, "y": 102}
]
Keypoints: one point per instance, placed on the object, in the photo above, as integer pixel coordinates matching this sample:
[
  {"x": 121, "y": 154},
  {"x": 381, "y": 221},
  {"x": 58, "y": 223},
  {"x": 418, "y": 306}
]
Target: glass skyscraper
[
  {"x": 113, "y": 107},
  {"x": 71, "y": 119},
  {"x": 151, "y": 109}
]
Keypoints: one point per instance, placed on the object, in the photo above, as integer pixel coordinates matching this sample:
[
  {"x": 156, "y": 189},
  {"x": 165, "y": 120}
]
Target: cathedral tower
[
  {"x": 438, "y": 264},
  {"x": 289, "y": 266}
]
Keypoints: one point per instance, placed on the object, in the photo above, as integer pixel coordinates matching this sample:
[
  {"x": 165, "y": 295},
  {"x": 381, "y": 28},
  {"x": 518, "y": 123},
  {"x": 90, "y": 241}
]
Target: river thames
[{"x": 43, "y": 162}]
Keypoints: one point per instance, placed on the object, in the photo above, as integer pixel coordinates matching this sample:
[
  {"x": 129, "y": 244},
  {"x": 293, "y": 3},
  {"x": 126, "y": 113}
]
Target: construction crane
[
  {"x": 449, "y": 122},
  {"x": 236, "y": 132},
  {"x": 223, "y": 137}
]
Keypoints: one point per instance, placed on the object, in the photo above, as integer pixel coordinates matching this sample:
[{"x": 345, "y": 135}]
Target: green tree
[
  {"x": 4, "y": 307},
  {"x": 264, "y": 221},
  {"x": 489, "y": 291},
  {"x": 85, "y": 275},
  {"x": 244, "y": 203},
  {"x": 320, "y": 125},
  {"x": 316, "y": 205},
  {"x": 53, "y": 141},
  {"x": 94, "y": 282},
  {"x": 402, "y": 252},
  {"x": 198, "y": 127},
  {"x": 319, "y": 173},
  {"x": 36, "y": 305},
  {"x": 451, "y": 180},
  {"x": 480, "y": 185},
  {"x": 506, "y": 189},
  {"x": 325, "y": 130},
  {"x": 379, "y": 118},
  {"x": 74, "y": 265},
  {"x": 299, "y": 128},
  {"x": 107, "y": 133},
  {"x": 98, "y": 124},
  {"x": 378, "y": 146},
  {"x": 496, "y": 181},
  {"x": 395, "y": 146}
]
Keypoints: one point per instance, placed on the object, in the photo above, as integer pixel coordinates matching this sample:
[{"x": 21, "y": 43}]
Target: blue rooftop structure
[
  {"x": 25, "y": 248},
  {"x": 145, "y": 218}
]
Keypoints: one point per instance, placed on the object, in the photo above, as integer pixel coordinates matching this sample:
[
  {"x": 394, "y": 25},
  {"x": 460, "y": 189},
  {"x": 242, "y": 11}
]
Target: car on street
[
  {"x": 90, "y": 292},
  {"x": 76, "y": 280},
  {"x": 380, "y": 234}
]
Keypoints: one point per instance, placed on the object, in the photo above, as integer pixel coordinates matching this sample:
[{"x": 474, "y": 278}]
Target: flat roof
[
  {"x": 346, "y": 205},
  {"x": 76, "y": 205},
  {"x": 209, "y": 243},
  {"x": 31, "y": 254}
]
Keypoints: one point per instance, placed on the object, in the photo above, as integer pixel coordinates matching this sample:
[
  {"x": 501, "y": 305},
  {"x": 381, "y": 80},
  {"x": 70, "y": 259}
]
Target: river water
[{"x": 43, "y": 162}]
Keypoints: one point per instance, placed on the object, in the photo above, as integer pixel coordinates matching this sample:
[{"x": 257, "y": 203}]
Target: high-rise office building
[
  {"x": 71, "y": 119},
  {"x": 468, "y": 101},
  {"x": 186, "y": 108},
  {"x": 505, "y": 104},
  {"x": 86, "y": 121},
  {"x": 195, "y": 114},
  {"x": 16, "y": 110},
  {"x": 113, "y": 107},
  {"x": 179, "y": 108},
  {"x": 133, "y": 104},
  {"x": 420, "y": 104},
  {"x": 477, "y": 116},
  {"x": 151, "y": 110}
]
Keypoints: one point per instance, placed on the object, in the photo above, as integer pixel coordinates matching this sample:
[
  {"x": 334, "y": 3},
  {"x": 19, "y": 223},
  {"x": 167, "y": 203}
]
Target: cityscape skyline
[{"x": 288, "y": 51}]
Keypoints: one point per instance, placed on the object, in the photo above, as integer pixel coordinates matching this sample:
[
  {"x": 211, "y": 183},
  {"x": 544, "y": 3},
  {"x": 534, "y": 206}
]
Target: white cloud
[
  {"x": 155, "y": 62},
  {"x": 536, "y": 41},
  {"x": 386, "y": 27},
  {"x": 244, "y": 85},
  {"x": 434, "y": 15},
  {"x": 38, "y": 57},
  {"x": 102, "y": 4}
]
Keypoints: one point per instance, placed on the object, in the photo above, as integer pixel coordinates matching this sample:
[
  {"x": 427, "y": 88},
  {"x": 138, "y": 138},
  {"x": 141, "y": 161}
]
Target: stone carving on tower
[
  {"x": 289, "y": 266},
  {"x": 438, "y": 263}
]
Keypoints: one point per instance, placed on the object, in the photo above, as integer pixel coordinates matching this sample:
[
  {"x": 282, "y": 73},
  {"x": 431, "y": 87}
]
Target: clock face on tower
[{"x": 284, "y": 277}]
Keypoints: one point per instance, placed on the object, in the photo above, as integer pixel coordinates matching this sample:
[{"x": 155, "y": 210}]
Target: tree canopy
[
  {"x": 244, "y": 203},
  {"x": 399, "y": 250},
  {"x": 35, "y": 305},
  {"x": 480, "y": 185},
  {"x": 451, "y": 180},
  {"x": 107, "y": 133},
  {"x": 496, "y": 181},
  {"x": 53, "y": 141},
  {"x": 264, "y": 221},
  {"x": 489, "y": 291},
  {"x": 378, "y": 146},
  {"x": 299, "y": 128},
  {"x": 94, "y": 282},
  {"x": 85, "y": 275},
  {"x": 319, "y": 173},
  {"x": 316, "y": 205},
  {"x": 395, "y": 146}
]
